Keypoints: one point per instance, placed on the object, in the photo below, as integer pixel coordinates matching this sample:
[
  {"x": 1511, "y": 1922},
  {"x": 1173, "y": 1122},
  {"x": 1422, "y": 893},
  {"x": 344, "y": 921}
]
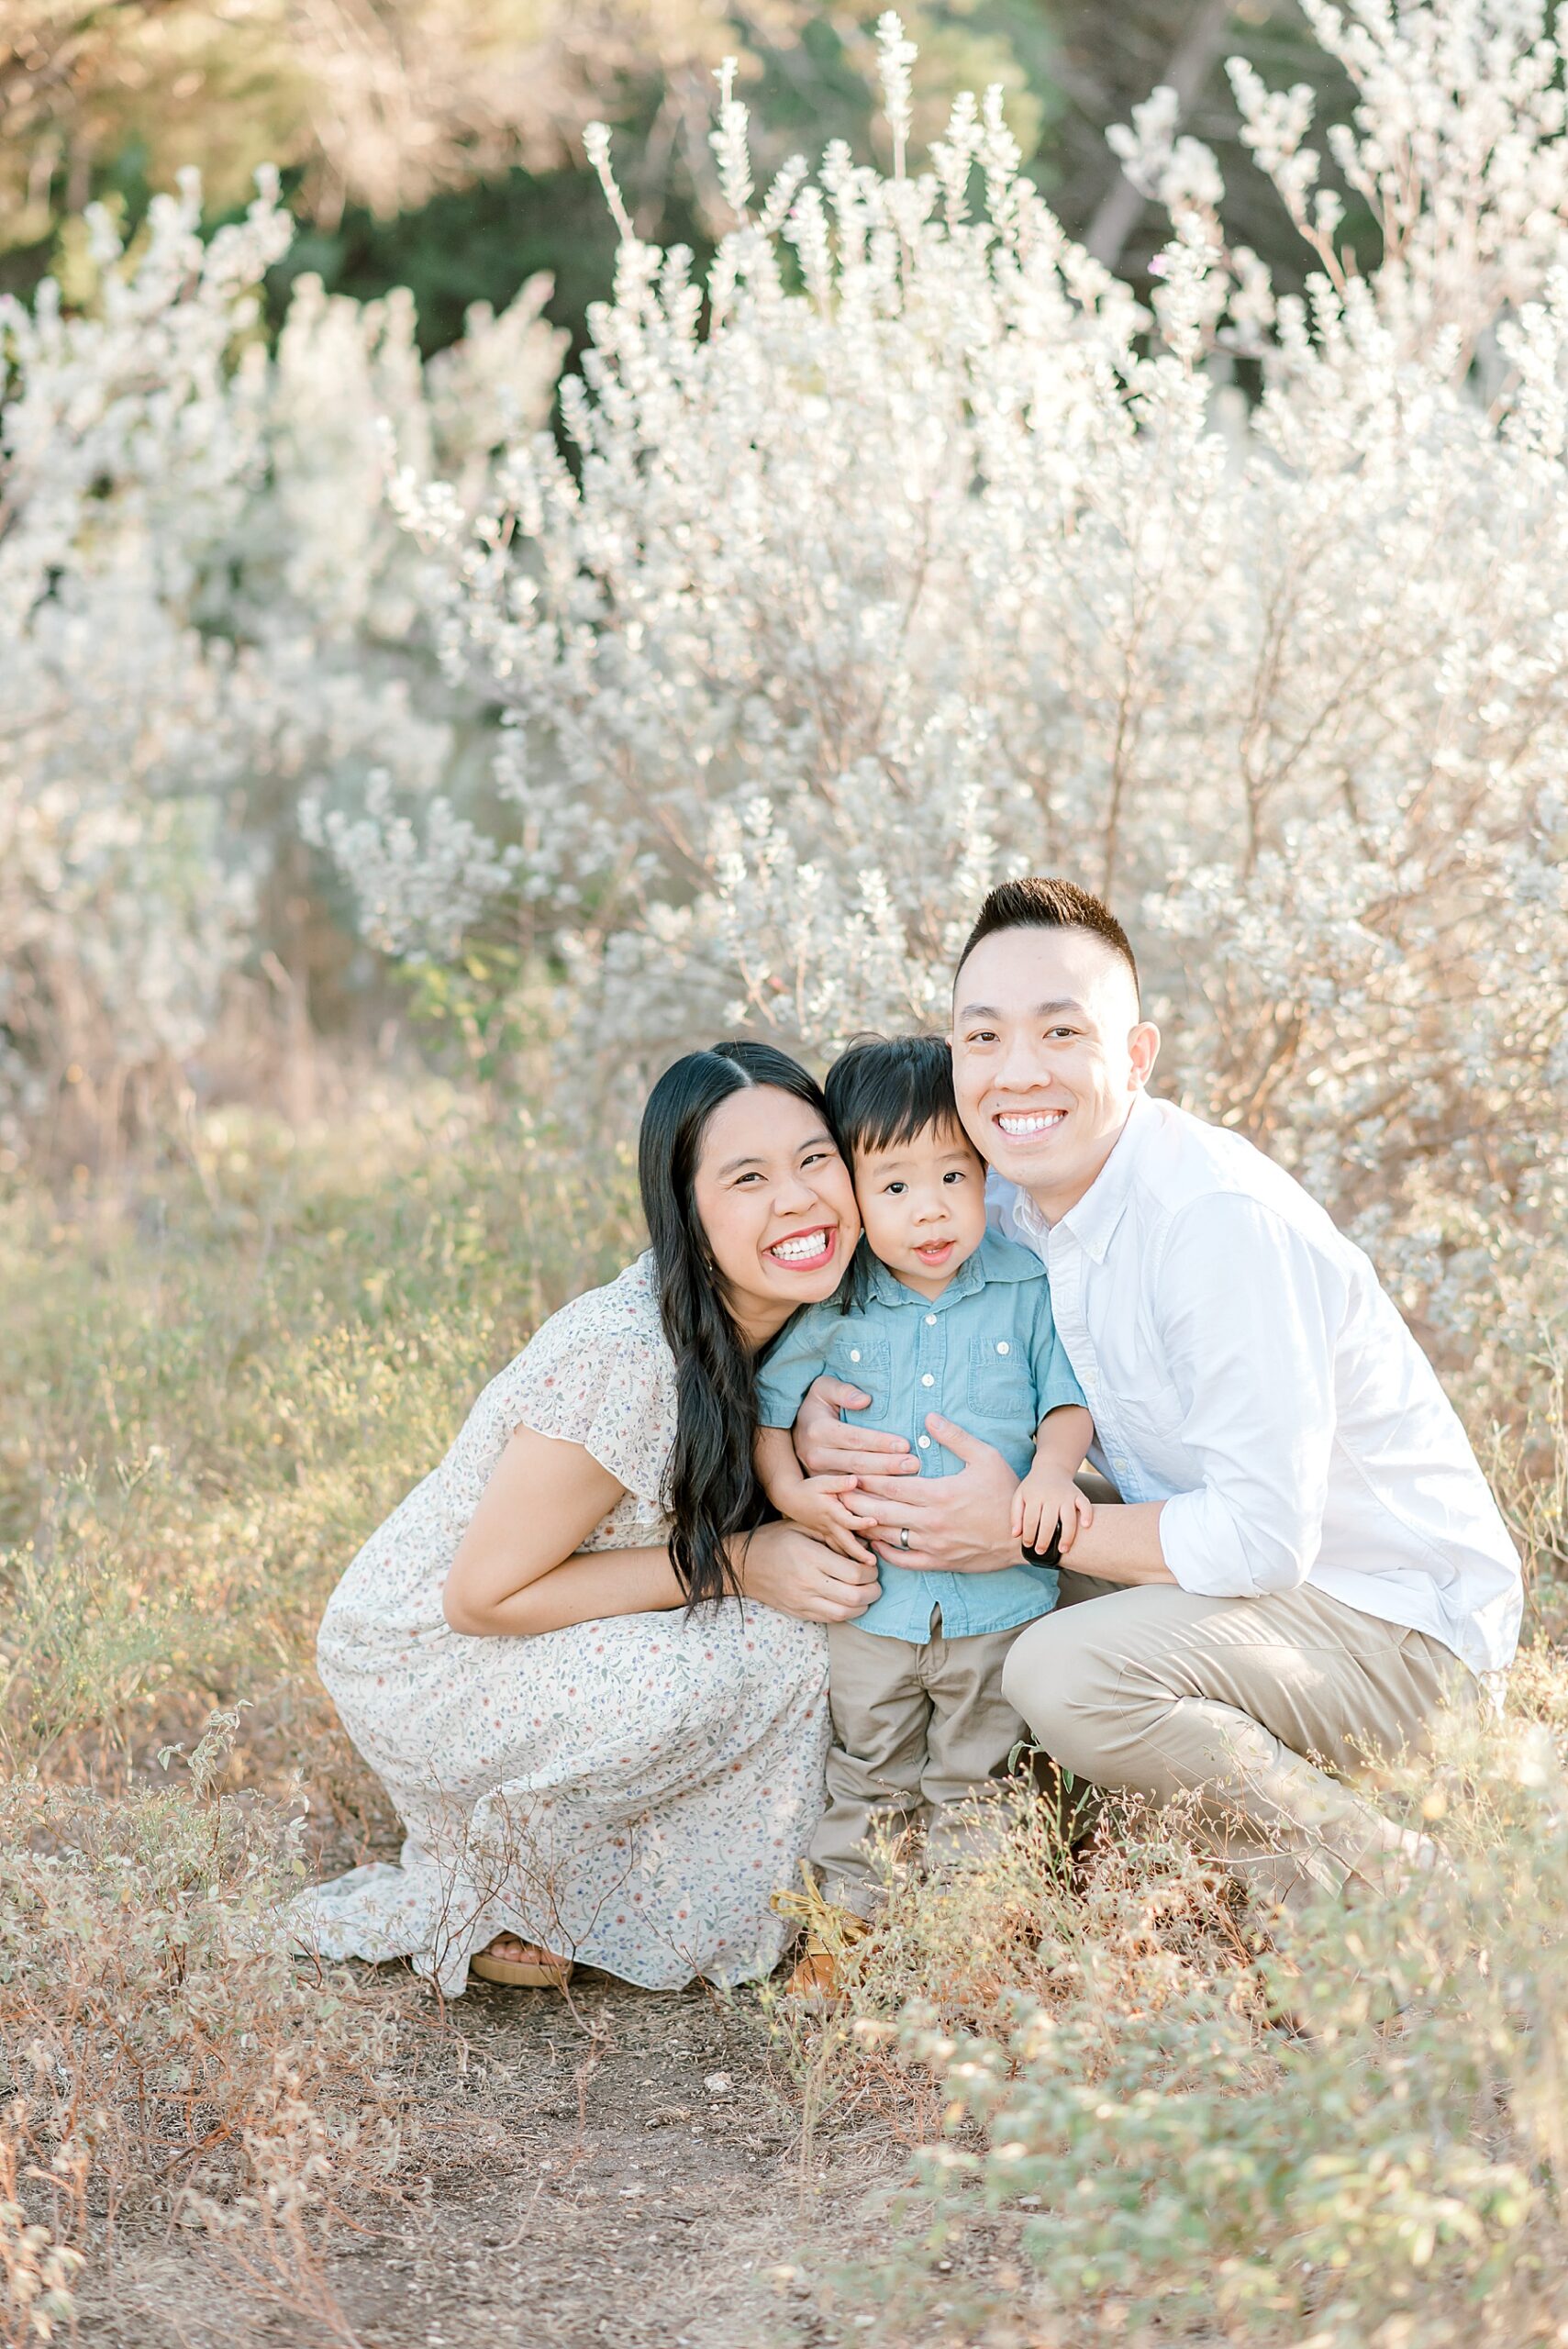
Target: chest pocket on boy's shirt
[
  {"x": 999, "y": 1380},
  {"x": 862, "y": 1358}
]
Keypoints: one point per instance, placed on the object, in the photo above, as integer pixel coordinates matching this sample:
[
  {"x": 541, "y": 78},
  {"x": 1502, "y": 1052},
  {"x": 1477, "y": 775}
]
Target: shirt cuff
[
  {"x": 1062, "y": 1394},
  {"x": 1201, "y": 1543},
  {"x": 778, "y": 1415}
]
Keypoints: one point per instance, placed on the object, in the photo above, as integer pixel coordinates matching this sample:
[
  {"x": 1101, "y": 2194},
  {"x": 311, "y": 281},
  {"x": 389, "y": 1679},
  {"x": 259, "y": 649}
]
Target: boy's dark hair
[
  {"x": 886, "y": 1089},
  {"x": 1039, "y": 902}
]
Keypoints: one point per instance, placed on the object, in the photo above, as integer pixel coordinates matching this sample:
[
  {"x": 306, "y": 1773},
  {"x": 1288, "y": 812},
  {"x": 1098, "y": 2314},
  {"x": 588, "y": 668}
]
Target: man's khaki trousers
[{"x": 1155, "y": 1691}]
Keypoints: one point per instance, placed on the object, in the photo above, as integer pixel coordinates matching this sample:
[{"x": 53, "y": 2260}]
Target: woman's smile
[
  {"x": 776, "y": 1206},
  {"x": 811, "y": 1247}
]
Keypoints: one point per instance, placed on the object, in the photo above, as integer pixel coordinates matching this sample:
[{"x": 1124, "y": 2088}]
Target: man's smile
[{"x": 1022, "y": 1125}]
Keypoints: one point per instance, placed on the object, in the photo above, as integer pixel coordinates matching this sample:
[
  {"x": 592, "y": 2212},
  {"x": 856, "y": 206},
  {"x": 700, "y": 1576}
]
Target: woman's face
[{"x": 775, "y": 1200}]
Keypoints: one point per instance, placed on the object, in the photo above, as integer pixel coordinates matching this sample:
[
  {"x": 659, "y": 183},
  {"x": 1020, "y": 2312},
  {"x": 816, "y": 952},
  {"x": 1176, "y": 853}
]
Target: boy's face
[{"x": 923, "y": 1204}]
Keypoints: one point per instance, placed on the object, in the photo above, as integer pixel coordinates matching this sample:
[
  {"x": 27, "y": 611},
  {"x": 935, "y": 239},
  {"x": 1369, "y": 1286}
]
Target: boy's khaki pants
[
  {"x": 917, "y": 1727},
  {"x": 1156, "y": 1691}
]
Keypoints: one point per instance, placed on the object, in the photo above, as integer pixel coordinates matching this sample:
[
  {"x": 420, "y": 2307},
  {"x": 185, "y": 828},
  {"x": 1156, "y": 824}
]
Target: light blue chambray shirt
[{"x": 984, "y": 1353}]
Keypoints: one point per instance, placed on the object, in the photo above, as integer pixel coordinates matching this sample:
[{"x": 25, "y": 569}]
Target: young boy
[{"x": 937, "y": 1315}]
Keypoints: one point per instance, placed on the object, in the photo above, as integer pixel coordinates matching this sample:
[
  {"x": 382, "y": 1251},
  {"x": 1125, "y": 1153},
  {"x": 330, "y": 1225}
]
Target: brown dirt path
[{"x": 628, "y": 2174}]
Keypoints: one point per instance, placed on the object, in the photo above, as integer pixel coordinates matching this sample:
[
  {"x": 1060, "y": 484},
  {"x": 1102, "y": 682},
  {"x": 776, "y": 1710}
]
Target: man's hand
[
  {"x": 960, "y": 1524},
  {"x": 825, "y": 1446}
]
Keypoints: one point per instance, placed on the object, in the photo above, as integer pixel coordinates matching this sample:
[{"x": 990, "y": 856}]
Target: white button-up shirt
[{"x": 1244, "y": 1367}]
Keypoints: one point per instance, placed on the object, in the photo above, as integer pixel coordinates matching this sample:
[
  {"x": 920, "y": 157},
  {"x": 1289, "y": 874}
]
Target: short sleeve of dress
[{"x": 600, "y": 1374}]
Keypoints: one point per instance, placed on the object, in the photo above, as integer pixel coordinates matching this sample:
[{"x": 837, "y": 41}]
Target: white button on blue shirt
[{"x": 984, "y": 1354}]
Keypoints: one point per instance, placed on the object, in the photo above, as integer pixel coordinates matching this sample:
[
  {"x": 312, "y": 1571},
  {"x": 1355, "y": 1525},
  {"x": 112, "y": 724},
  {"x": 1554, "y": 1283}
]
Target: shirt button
[
  {"x": 924, "y": 1441},
  {"x": 928, "y": 1380},
  {"x": 854, "y": 1353},
  {"x": 1002, "y": 1348},
  {"x": 931, "y": 1320}
]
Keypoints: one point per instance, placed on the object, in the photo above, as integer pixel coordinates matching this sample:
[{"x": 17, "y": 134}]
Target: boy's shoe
[
  {"x": 830, "y": 1933},
  {"x": 816, "y": 1978}
]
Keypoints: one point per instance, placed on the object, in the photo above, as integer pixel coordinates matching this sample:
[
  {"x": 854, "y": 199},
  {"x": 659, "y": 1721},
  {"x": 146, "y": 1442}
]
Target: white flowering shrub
[
  {"x": 906, "y": 552},
  {"x": 207, "y": 614}
]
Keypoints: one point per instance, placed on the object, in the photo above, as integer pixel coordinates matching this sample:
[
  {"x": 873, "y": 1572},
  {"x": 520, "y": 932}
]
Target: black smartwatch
[{"x": 1052, "y": 1554}]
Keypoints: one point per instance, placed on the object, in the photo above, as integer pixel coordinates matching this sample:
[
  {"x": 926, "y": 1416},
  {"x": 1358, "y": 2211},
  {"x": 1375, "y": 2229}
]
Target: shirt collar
[
  {"x": 996, "y": 1259},
  {"x": 1097, "y": 1213}
]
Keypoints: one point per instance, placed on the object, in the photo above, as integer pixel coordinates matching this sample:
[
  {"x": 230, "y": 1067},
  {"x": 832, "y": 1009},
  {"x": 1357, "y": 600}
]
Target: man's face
[{"x": 1048, "y": 1053}]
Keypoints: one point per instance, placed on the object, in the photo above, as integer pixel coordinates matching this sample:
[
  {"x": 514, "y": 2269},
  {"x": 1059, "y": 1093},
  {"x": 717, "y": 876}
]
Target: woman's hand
[
  {"x": 781, "y": 1566},
  {"x": 822, "y": 1506}
]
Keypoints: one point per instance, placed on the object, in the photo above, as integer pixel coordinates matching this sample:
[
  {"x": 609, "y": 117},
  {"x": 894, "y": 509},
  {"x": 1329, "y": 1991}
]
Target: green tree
[{"x": 437, "y": 144}]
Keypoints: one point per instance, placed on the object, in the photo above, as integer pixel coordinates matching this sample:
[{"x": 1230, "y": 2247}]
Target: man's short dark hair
[
  {"x": 1039, "y": 902},
  {"x": 886, "y": 1089}
]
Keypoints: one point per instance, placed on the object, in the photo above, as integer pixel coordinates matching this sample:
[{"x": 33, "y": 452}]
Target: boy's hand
[
  {"x": 1046, "y": 1498},
  {"x": 821, "y": 1504}
]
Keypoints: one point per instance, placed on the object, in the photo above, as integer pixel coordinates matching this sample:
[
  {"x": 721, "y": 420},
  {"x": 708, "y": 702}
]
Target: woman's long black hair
[{"x": 710, "y": 1487}]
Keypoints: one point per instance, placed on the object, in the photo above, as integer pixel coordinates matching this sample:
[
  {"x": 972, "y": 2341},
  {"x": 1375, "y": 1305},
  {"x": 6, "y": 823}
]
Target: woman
[{"x": 597, "y": 1750}]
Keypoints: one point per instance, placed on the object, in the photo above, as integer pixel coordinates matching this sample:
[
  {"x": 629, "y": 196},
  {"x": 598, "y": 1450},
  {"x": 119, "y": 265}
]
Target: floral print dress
[{"x": 628, "y": 1792}]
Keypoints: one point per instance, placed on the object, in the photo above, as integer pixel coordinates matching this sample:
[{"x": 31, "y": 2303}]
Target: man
[{"x": 1306, "y": 1563}]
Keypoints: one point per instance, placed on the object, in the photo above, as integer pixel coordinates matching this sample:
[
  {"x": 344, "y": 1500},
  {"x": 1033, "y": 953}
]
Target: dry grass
[{"x": 214, "y": 1383}]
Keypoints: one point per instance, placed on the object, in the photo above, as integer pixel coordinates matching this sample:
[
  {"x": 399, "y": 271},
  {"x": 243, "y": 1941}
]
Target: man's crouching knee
[{"x": 1033, "y": 1684}]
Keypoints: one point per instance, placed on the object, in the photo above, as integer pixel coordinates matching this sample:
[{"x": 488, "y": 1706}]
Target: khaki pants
[
  {"x": 917, "y": 1726},
  {"x": 1155, "y": 1691}
]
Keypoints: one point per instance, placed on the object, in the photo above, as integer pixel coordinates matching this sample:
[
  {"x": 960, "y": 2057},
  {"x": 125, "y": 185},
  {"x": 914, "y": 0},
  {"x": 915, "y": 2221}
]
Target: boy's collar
[{"x": 996, "y": 1259}]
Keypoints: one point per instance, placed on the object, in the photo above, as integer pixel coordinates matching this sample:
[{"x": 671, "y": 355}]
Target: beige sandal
[{"x": 545, "y": 1972}]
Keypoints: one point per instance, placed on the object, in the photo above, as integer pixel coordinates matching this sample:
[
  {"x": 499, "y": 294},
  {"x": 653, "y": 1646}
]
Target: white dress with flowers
[{"x": 628, "y": 1792}]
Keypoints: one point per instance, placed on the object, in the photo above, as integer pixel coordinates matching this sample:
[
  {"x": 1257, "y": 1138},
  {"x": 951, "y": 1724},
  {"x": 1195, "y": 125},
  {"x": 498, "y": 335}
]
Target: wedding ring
[{"x": 904, "y": 1537}]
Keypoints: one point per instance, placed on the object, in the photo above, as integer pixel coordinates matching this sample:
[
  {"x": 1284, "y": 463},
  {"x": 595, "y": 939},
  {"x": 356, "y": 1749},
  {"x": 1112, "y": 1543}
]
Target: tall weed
[
  {"x": 1358, "y": 2144},
  {"x": 216, "y": 1382}
]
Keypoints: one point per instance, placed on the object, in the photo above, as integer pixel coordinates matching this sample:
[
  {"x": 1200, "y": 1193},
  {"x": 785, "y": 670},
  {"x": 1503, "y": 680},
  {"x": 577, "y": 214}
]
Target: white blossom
[
  {"x": 934, "y": 557},
  {"x": 902, "y": 550},
  {"x": 208, "y": 610}
]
